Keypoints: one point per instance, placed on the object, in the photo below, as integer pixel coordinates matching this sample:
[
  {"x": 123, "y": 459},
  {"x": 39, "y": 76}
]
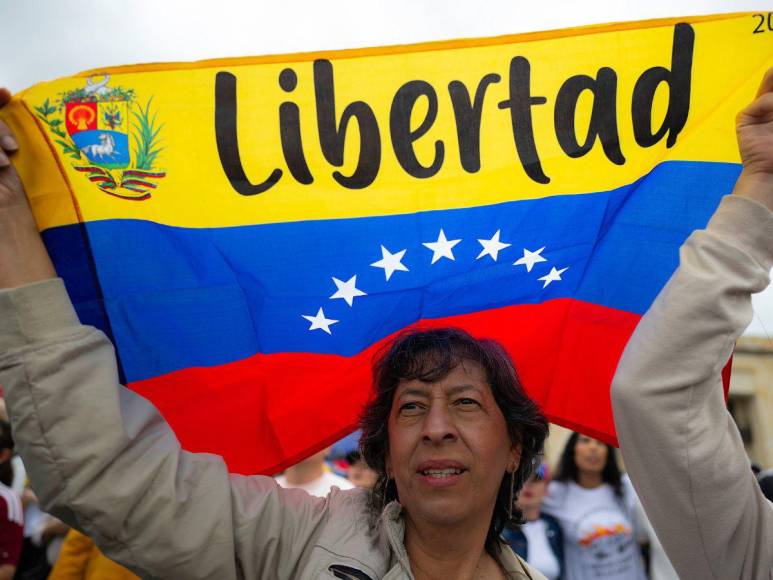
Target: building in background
[
  {"x": 751, "y": 397},
  {"x": 750, "y": 403}
]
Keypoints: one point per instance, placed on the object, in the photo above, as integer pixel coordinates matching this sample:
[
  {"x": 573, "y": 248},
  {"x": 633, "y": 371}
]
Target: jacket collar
[{"x": 394, "y": 526}]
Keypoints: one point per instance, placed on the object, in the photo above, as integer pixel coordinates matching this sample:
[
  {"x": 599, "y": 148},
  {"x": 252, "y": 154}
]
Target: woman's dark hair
[
  {"x": 429, "y": 356},
  {"x": 567, "y": 468},
  {"x": 6, "y": 442}
]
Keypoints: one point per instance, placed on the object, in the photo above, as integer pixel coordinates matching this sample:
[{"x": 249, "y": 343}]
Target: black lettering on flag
[
  {"x": 468, "y": 116},
  {"x": 227, "y": 139},
  {"x": 603, "y": 119},
  {"x": 520, "y": 104},
  {"x": 678, "y": 79},
  {"x": 403, "y": 136},
  {"x": 290, "y": 131},
  {"x": 332, "y": 134}
]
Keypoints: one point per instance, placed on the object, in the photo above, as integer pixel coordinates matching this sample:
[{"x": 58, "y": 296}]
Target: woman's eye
[
  {"x": 408, "y": 407},
  {"x": 466, "y": 402}
]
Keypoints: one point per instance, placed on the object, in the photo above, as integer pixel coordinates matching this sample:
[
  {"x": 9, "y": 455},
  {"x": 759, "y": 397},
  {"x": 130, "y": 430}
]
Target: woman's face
[
  {"x": 449, "y": 447},
  {"x": 590, "y": 455}
]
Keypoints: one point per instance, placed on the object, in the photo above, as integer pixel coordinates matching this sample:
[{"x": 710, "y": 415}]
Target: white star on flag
[
  {"x": 441, "y": 248},
  {"x": 319, "y": 322},
  {"x": 553, "y": 276},
  {"x": 492, "y": 247},
  {"x": 390, "y": 262},
  {"x": 347, "y": 290},
  {"x": 530, "y": 258}
]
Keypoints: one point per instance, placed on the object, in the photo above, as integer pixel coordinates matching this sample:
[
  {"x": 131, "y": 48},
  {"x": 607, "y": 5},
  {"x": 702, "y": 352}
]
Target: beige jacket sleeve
[
  {"x": 102, "y": 459},
  {"x": 681, "y": 447}
]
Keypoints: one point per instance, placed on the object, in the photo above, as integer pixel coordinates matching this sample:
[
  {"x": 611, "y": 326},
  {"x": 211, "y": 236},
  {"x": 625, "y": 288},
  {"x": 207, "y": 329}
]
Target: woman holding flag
[{"x": 451, "y": 432}]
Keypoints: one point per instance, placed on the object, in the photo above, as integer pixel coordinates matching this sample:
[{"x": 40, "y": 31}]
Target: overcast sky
[{"x": 45, "y": 39}]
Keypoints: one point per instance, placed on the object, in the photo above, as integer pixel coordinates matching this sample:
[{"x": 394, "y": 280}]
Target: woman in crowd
[
  {"x": 539, "y": 541},
  {"x": 595, "y": 506}
]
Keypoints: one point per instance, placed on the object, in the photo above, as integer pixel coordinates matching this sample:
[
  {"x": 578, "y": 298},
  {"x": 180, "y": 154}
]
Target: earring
[
  {"x": 512, "y": 493},
  {"x": 384, "y": 487}
]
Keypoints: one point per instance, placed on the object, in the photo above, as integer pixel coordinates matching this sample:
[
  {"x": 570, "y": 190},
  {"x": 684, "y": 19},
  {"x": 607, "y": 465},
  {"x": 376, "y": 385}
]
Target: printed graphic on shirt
[{"x": 606, "y": 542}]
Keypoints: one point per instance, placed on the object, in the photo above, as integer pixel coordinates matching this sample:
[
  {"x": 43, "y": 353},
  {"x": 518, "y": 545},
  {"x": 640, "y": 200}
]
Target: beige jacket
[
  {"x": 682, "y": 449},
  {"x": 102, "y": 459}
]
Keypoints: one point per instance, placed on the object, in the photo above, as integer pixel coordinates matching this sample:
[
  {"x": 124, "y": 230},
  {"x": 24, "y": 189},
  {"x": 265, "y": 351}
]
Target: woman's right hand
[
  {"x": 23, "y": 257},
  {"x": 754, "y": 127}
]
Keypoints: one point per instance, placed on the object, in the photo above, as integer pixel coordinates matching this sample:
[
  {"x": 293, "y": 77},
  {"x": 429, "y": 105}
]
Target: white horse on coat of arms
[{"x": 105, "y": 148}]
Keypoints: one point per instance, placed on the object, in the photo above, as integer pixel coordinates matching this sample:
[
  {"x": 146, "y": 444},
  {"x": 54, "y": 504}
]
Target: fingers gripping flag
[{"x": 250, "y": 231}]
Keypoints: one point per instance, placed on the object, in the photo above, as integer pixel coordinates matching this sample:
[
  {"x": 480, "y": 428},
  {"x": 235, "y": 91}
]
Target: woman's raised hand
[
  {"x": 754, "y": 126},
  {"x": 23, "y": 258},
  {"x": 11, "y": 190}
]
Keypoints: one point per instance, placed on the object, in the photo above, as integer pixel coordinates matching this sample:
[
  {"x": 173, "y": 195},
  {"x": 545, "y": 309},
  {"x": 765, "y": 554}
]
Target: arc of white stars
[
  {"x": 319, "y": 322},
  {"x": 390, "y": 262},
  {"x": 530, "y": 258},
  {"x": 492, "y": 247},
  {"x": 442, "y": 248},
  {"x": 553, "y": 276},
  {"x": 347, "y": 290}
]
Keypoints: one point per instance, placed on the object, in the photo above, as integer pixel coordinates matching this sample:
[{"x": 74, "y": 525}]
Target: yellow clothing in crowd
[{"x": 80, "y": 559}]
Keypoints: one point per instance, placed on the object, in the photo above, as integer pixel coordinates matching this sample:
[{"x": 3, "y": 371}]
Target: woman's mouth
[{"x": 440, "y": 473}]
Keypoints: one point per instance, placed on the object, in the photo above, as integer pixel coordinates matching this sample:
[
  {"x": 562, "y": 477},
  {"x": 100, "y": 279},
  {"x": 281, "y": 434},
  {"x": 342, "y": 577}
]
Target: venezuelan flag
[{"x": 249, "y": 231}]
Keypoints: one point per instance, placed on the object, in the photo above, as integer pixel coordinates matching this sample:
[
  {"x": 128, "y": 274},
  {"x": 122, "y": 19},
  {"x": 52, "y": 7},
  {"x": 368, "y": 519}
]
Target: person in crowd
[
  {"x": 11, "y": 519},
  {"x": 682, "y": 449},
  {"x": 33, "y": 564},
  {"x": 80, "y": 559},
  {"x": 449, "y": 430},
  {"x": 595, "y": 506},
  {"x": 313, "y": 476},
  {"x": 539, "y": 541},
  {"x": 43, "y": 537},
  {"x": 359, "y": 473}
]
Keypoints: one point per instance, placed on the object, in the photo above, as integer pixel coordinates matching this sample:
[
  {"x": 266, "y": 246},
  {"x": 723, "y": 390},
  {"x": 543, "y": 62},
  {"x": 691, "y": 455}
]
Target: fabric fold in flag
[{"x": 250, "y": 231}]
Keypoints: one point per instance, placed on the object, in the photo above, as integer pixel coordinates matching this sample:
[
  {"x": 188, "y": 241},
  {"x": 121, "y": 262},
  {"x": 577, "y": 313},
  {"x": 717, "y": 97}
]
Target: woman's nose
[{"x": 438, "y": 424}]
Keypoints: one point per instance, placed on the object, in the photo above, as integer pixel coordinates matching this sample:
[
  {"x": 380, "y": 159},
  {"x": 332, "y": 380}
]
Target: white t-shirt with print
[
  {"x": 539, "y": 554},
  {"x": 599, "y": 536}
]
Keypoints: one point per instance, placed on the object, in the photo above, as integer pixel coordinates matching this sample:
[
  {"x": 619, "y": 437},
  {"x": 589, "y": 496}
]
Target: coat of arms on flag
[{"x": 110, "y": 137}]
